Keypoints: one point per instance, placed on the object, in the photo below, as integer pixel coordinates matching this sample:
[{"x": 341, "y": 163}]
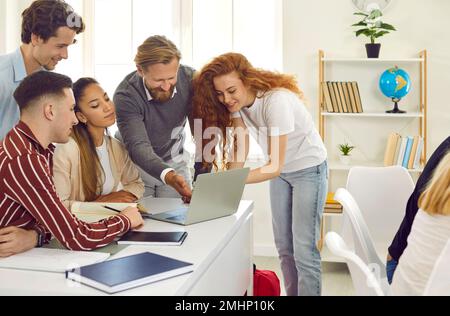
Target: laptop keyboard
[{"x": 177, "y": 218}]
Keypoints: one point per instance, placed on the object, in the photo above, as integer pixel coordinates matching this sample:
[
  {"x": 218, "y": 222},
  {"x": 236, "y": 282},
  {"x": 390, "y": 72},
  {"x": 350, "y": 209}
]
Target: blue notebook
[{"x": 128, "y": 272}]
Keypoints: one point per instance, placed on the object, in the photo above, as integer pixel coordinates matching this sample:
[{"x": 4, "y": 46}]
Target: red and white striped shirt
[{"x": 28, "y": 197}]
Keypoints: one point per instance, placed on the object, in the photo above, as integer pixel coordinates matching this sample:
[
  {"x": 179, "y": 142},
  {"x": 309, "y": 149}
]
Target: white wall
[
  {"x": 313, "y": 25},
  {"x": 325, "y": 24}
]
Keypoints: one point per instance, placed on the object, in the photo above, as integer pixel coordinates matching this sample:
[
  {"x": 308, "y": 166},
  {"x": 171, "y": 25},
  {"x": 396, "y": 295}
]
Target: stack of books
[
  {"x": 403, "y": 151},
  {"x": 331, "y": 205},
  {"x": 341, "y": 97}
]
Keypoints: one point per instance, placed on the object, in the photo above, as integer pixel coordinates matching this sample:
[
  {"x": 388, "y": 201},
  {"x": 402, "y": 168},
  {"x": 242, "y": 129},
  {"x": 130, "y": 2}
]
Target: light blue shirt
[{"x": 12, "y": 72}]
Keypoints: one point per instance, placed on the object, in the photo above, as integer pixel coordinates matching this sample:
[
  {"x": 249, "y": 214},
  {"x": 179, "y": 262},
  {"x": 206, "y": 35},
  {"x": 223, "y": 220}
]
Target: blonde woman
[
  {"x": 90, "y": 167},
  {"x": 230, "y": 93},
  {"x": 429, "y": 235}
]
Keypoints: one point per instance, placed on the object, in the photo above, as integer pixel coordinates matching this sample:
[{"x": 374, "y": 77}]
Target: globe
[{"x": 395, "y": 84}]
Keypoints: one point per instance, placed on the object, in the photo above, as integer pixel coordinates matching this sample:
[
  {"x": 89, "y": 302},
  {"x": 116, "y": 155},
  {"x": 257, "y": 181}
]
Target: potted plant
[
  {"x": 372, "y": 27},
  {"x": 345, "y": 150}
]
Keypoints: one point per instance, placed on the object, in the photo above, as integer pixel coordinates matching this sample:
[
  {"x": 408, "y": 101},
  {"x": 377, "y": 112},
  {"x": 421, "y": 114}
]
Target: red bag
[{"x": 265, "y": 283}]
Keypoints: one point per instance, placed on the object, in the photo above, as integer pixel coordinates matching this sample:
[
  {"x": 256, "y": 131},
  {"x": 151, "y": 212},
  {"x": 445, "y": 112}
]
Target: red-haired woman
[{"x": 231, "y": 95}]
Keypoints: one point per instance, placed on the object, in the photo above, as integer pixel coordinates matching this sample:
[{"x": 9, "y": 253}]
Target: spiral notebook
[{"x": 51, "y": 260}]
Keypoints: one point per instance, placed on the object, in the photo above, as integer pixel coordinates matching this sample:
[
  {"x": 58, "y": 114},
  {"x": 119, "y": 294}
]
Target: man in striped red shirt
[{"x": 29, "y": 204}]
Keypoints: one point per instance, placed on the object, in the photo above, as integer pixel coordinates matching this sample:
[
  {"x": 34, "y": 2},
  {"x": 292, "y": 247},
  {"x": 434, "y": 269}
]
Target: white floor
[{"x": 336, "y": 279}]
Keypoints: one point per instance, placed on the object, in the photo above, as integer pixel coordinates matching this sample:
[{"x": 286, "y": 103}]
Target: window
[
  {"x": 73, "y": 66},
  {"x": 202, "y": 29},
  {"x": 121, "y": 26},
  {"x": 222, "y": 26}
]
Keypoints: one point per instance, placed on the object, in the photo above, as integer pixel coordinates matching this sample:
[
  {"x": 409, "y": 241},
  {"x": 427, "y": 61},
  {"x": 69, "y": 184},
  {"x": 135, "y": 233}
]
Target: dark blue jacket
[{"x": 400, "y": 242}]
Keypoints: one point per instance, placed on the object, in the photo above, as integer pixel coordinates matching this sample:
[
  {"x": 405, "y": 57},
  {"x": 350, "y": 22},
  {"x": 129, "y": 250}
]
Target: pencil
[{"x": 112, "y": 209}]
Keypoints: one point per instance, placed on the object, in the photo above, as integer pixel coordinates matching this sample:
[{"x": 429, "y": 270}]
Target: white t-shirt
[
  {"x": 103, "y": 155},
  {"x": 428, "y": 237},
  {"x": 281, "y": 112}
]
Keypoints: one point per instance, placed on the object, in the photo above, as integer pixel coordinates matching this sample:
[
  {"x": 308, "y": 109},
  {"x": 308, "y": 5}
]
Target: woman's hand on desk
[
  {"x": 15, "y": 240},
  {"x": 117, "y": 197},
  {"x": 134, "y": 216}
]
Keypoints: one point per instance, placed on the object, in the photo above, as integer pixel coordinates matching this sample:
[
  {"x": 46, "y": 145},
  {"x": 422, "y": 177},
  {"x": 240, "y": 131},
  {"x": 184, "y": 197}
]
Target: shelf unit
[
  {"x": 371, "y": 115},
  {"x": 422, "y": 114}
]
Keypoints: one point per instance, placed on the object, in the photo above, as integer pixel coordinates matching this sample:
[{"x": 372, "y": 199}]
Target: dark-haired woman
[{"x": 93, "y": 166}]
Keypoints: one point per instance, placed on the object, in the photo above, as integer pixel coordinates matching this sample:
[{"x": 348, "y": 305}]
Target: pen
[{"x": 112, "y": 209}]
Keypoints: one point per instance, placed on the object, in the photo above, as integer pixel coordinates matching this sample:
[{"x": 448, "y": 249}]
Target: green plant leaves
[
  {"x": 381, "y": 33},
  {"x": 387, "y": 27},
  {"x": 372, "y": 30},
  {"x": 346, "y": 149},
  {"x": 362, "y": 23}
]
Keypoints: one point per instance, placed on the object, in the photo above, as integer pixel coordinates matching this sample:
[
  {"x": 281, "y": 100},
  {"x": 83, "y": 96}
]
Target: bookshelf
[{"x": 369, "y": 130}]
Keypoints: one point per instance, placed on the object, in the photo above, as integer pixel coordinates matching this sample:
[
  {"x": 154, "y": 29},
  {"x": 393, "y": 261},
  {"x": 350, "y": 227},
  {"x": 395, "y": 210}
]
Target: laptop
[{"x": 215, "y": 195}]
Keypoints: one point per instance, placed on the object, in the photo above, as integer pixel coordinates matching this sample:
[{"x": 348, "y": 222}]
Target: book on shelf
[
  {"x": 403, "y": 151},
  {"x": 333, "y": 209},
  {"x": 397, "y": 150},
  {"x": 153, "y": 238},
  {"x": 129, "y": 272},
  {"x": 355, "y": 87},
  {"x": 95, "y": 211},
  {"x": 408, "y": 149},
  {"x": 352, "y": 97},
  {"x": 418, "y": 155},
  {"x": 330, "y": 199},
  {"x": 333, "y": 97},
  {"x": 341, "y": 97},
  {"x": 328, "y": 105},
  {"x": 338, "y": 97},
  {"x": 347, "y": 97},
  {"x": 391, "y": 147},
  {"x": 51, "y": 260},
  {"x": 412, "y": 156}
]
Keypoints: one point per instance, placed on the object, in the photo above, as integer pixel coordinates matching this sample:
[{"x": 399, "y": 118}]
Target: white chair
[
  {"x": 364, "y": 280},
  {"x": 439, "y": 282},
  {"x": 361, "y": 237},
  {"x": 382, "y": 195}
]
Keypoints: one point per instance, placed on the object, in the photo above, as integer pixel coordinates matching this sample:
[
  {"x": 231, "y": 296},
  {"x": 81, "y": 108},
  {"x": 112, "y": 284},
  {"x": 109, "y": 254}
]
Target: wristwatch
[{"x": 40, "y": 238}]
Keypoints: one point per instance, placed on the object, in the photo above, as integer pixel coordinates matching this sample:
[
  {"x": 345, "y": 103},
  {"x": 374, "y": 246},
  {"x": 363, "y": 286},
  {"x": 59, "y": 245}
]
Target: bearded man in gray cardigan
[{"x": 153, "y": 105}]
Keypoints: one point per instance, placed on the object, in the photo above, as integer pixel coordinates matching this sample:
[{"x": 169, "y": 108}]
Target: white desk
[{"x": 221, "y": 251}]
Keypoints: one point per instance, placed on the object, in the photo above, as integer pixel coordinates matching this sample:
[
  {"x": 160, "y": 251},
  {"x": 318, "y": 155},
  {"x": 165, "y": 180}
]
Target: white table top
[{"x": 203, "y": 243}]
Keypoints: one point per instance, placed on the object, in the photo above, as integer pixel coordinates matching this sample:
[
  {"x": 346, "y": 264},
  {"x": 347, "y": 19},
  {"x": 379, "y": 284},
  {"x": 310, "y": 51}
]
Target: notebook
[
  {"x": 91, "y": 212},
  {"x": 129, "y": 272},
  {"x": 153, "y": 238},
  {"x": 51, "y": 260}
]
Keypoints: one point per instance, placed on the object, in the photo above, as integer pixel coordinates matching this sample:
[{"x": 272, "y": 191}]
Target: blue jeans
[
  {"x": 390, "y": 269},
  {"x": 297, "y": 201}
]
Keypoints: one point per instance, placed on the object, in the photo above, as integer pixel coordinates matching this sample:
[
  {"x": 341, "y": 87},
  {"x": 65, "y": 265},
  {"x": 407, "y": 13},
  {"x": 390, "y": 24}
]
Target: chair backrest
[
  {"x": 382, "y": 195},
  {"x": 364, "y": 280},
  {"x": 362, "y": 240},
  {"x": 439, "y": 282}
]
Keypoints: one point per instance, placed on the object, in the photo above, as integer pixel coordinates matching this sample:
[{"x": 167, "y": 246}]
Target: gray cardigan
[{"x": 152, "y": 131}]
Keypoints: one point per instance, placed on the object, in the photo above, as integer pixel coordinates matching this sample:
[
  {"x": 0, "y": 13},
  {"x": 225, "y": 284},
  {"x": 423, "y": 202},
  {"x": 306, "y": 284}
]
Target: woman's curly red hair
[{"x": 206, "y": 105}]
